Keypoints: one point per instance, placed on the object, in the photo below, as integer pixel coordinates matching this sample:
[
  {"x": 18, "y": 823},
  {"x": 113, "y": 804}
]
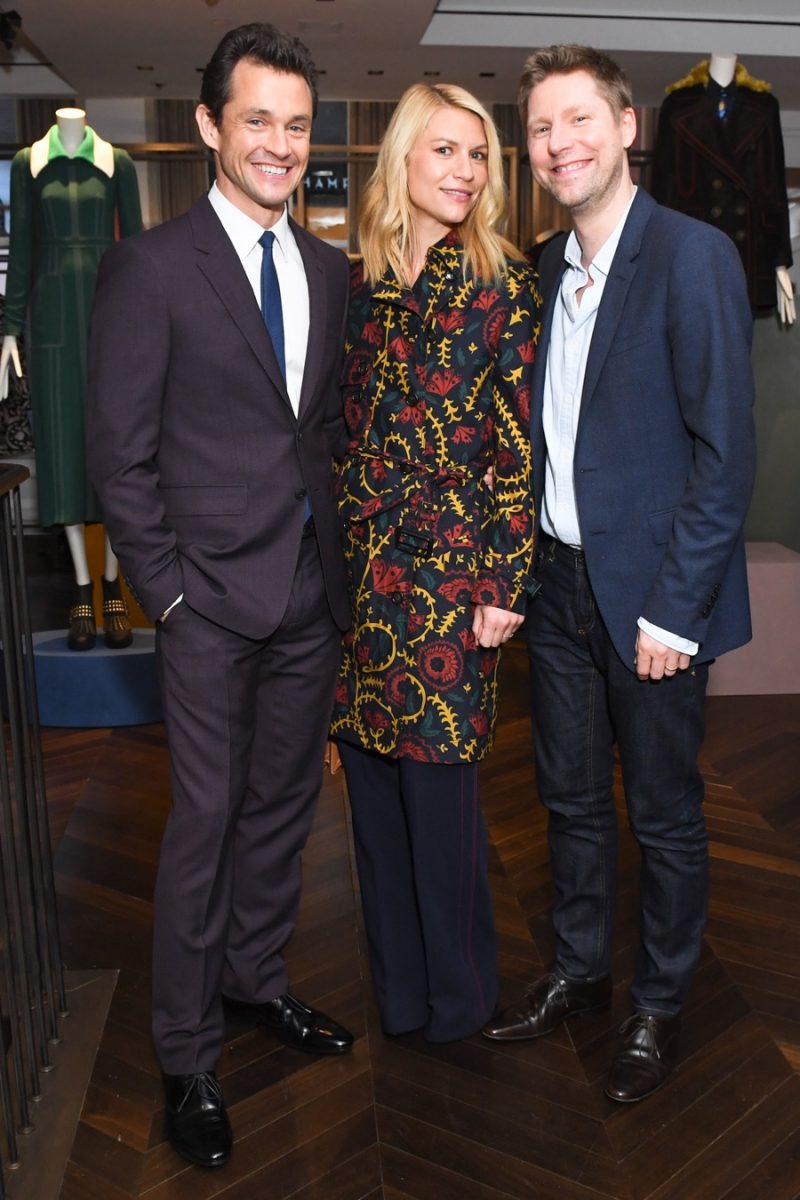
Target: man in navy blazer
[
  {"x": 210, "y": 444},
  {"x": 643, "y": 464}
]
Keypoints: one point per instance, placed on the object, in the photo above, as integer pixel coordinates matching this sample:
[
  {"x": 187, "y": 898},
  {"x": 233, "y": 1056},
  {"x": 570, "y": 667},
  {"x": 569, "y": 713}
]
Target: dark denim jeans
[{"x": 583, "y": 700}]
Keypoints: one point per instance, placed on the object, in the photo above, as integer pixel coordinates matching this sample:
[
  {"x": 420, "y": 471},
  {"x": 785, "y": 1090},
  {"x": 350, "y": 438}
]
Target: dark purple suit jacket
[{"x": 199, "y": 462}]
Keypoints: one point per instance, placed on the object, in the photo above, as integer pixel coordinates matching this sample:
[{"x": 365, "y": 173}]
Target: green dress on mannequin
[{"x": 63, "y": 218}]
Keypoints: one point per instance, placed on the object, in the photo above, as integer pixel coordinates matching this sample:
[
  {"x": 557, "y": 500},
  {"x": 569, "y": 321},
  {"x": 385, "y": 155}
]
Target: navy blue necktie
[
  {"x": 271, "y": 308},
  {"x": 272, "y": 312}
]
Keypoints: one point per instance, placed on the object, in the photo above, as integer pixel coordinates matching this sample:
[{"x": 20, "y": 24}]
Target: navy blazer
[
  {"x": 194, "y": 449},
  {"x": 665, "y": 451}
]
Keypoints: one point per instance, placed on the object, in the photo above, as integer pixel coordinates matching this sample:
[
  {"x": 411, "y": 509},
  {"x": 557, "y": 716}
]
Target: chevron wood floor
[{"x": 401, "y": 1120}]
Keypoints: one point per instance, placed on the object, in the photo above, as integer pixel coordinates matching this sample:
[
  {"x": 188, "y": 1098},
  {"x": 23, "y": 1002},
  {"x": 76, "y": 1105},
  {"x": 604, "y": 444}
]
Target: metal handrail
[{"x": 32, "y": 991}]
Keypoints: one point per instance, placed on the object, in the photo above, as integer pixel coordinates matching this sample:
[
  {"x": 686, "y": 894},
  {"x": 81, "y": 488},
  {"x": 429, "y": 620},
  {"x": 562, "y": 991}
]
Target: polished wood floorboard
[{"x": 399, "y": 1119}]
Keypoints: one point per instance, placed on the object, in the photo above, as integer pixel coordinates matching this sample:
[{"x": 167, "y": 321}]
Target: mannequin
[
  {"x": 67, "y": 191},
  {"x": 719, "y": 157},
  {"x": 722, "y": 68}
]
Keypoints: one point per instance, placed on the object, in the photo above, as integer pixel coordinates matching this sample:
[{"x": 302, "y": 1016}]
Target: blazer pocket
[
  {"x": 624, "y": 345},
  {"x": 661, "y": 525},
  {"x": 205, "y": 501}
]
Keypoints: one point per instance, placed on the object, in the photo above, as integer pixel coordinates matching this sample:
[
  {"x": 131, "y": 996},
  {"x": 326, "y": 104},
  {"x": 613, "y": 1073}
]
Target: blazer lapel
[
  {"x": 317, "y": 304},
  {"x": 218, "y": 261},
  {"x": 615, "y": 293},
  {"x": 551, "y": 268}
]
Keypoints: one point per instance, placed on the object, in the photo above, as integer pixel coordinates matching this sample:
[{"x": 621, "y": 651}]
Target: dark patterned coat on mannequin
[
  {"x": 437, "y": 386},
  {"x": 729, "y": 173}
]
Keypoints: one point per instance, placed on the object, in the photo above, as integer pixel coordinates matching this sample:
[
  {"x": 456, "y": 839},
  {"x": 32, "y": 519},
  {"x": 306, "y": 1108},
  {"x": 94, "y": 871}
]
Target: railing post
[{"x": 32, "y": 993}]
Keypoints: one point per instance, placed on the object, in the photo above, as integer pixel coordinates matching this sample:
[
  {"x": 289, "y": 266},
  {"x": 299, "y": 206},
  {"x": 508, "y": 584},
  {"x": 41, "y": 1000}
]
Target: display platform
[
  {"x": 82, "y": 689},
  {"x": 769, "y": 665}
]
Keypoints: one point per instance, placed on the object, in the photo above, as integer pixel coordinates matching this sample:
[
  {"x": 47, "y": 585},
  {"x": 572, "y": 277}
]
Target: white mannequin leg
[
  {"x": 111, "y": 569},
  {"x": 77, "y": 548}
]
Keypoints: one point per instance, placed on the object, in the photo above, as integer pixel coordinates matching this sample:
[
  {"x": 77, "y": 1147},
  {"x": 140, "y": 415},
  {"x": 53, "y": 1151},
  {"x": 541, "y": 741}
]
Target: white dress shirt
[
  {"x": 568, "y": 351},
  {"x": 244, "y": 233}
]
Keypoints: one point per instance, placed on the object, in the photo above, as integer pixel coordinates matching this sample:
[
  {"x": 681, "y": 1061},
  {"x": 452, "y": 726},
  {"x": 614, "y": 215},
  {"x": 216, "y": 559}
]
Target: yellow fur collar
[{"x": 699, "y": 74}]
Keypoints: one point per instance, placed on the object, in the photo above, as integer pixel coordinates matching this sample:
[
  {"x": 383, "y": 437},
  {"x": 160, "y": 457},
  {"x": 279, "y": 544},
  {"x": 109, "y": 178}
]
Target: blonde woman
[{"x": 443, "y": 319}]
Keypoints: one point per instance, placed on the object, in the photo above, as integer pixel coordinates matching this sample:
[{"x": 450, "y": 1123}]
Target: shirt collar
[
  {"x": 56, "y": 149},
  {"x": 243, "y": 231},
  {"x": 605, "y": 255}
]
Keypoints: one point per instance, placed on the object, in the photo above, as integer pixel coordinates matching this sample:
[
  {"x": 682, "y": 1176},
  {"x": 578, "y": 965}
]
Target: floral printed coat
[{"x": 437, "y": 386}]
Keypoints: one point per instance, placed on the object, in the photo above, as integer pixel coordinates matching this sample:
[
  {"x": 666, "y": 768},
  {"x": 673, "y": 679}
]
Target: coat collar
[
  {"x": 699, "y": 74},
  {"x": 92, "y": 149},
  {"x": 443, "y": 263}
]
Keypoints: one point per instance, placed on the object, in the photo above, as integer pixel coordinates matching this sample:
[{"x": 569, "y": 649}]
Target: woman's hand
[{"x": 493, "y": 626}]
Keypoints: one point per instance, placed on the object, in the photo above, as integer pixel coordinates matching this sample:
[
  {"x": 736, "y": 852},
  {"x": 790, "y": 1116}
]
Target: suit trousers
[
  {"x": 246, "y": 726},
  {"x": 421, "y": 851},
  {"x": 584, "y": 698}
]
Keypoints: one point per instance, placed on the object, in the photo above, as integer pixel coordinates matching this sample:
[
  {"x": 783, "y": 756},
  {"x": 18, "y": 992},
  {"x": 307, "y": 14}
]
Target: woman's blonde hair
[{"x": 386, "y": 232}]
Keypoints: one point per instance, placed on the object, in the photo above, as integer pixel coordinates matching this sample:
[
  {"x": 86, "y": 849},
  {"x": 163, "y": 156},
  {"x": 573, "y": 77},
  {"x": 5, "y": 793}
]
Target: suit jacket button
[{"x": 300, "y": 494}]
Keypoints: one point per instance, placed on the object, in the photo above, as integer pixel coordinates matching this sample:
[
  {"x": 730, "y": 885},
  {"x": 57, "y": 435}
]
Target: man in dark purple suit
[{"x": 214, "y": 413}]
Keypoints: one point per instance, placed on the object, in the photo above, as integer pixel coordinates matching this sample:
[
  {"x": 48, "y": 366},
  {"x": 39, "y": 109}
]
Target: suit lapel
[
  {"x": 317, "y": 306},
  {"x": 551, "y": 269},
  {"x": 615, "y": 293},
  {"x": 218, "y": 261}
]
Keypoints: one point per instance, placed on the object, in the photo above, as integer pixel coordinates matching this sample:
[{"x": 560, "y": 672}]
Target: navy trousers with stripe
[{"x": 421, "y": 851}]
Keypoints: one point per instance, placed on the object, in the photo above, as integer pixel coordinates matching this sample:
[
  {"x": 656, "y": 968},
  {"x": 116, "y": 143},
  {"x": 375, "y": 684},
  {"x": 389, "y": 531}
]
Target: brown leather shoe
[
  {"x": 648, "y": 1053},
  {"x": 116, "y": 622},
  {"x": 82, "y": 632},
  {"x": 546, "y": 1004}
]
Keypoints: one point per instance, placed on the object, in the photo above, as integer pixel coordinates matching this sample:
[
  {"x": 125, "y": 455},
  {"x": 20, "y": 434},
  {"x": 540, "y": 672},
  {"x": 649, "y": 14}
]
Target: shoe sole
[
  {"x": 633, "y": 1099},
  {"x": 198, "y": 1162}
]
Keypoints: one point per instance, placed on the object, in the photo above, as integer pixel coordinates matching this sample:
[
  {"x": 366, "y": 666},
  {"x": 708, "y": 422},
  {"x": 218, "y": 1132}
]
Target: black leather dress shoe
[
  {"x": 197, "y": 1123},
  {"x": 546, "y": 1004},
  {"x": 648, "y": 1052},
  {"x": 302, "y": 1027}
]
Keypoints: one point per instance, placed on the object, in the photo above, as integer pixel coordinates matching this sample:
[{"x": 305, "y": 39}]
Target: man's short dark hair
[
  {"x": 259, "y": 43},
  {"x": 611, "y": 80}
]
